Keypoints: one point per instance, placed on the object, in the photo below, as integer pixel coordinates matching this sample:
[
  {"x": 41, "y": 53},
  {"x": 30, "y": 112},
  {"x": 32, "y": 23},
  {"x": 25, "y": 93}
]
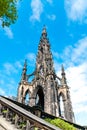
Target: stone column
[
  {"x": 16, "y": 120},
  {"x": 32, "y": 101},
  {"x": 27, "y": 125},
  {"x": 0, "y": 109},
  {"x": 7, "y": 114}
]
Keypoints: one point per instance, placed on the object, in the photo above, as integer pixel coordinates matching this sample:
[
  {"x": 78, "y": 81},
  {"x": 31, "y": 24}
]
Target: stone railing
[{"x": 22, "y": 118}]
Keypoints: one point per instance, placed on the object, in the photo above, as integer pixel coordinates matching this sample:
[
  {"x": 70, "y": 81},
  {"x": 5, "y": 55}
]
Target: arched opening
[
  {"x": 40, "y": 98},
  {"x": 31, "y": 78},
  {"x": 61, "y": 102},
  {"x": 61, "y": 106},
  {"x": 26, "y": 100}
]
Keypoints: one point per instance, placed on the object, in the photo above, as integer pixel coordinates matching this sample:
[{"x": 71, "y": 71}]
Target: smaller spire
[
  {"x": 25, "y": 65},
  {"x": 62, "y": 69},
  {"x": 63, "y": 80},
  {"x": 23, "y": 78}
]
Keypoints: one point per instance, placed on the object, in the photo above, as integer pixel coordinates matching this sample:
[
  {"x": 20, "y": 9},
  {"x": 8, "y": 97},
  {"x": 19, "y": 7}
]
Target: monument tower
[{"x": 46, "y": 88}]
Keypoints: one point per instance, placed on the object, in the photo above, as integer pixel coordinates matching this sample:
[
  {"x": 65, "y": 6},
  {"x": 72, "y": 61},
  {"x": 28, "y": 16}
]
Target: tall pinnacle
[
  {"x": 44, "y": 39},
  {"x": 23, "y": 78},
  {"x": 44, "y": 57},
  {"x": 63, "y": 72},
  {"x": 63, "y": 80},
  {"x": 25, "y": 65}
]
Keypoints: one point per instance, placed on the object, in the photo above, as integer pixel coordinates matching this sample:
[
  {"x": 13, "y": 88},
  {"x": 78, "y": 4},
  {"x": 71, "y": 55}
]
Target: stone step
[{"x": 6, "y": 125}]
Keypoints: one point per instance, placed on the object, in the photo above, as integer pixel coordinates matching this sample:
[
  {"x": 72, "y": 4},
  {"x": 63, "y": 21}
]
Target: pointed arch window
[
  {"x": 40, "y": 98},
  {"x": 26, "y": 98},
  {"x": 61, "y": 102}
]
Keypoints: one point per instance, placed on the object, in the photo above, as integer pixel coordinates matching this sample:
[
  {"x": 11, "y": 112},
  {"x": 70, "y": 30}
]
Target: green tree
[{"x": 8, "y": 12}]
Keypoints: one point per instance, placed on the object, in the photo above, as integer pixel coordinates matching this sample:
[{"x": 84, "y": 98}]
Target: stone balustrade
[{"x": 21, "y": 118}]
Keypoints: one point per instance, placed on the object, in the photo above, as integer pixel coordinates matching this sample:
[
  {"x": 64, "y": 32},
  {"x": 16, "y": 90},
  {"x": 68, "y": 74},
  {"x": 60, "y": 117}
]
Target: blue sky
[{"x": 66, "y": 23}]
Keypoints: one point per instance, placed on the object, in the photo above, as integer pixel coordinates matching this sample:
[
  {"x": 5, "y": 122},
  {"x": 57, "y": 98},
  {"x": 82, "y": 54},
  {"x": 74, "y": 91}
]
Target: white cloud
[
  {"x": 0, "y": 23},
  {"x": 9, "y": 68},
  {"x": 76, "y": 10},
  {"x": 80, "y": 50},
  {"x": 51, "y": 17},
  {"x": 10, "y": 75},
  {"x": 76, "y": 53},
  {"x": 1, "y": 81},
  {"x": 37, "y": 9},
  {"x": 2, "y": 92},
  {"x": 77, "y": 81},
  {"x": 50, "y": 1},
  {"x": 9, "y": 78},
  {"x": 18, "y": 64},
  {"x": 75, "y": 62},
  {"x": 8, "y": 32},
  {"x": 77, "y": 77},
  {"x": 31, "y": 57},
  {"x": 55, "y": 54}
]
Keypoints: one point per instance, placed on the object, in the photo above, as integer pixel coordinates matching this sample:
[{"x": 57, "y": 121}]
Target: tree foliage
[
  {"x": 8, "y": 12},
  {"x": 61, "y": 124}
]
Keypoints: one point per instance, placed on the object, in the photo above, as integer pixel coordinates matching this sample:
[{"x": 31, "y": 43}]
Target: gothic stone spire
[
  {"x": 23, "y": 78},
  {"x": 44, "y": 85},
  {"x": 63, "y": 80},
  {"x": 44, "y": 63}
]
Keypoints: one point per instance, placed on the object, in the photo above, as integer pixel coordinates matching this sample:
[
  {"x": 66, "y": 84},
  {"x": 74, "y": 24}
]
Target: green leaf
[{"x": 8, "y": 12}]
